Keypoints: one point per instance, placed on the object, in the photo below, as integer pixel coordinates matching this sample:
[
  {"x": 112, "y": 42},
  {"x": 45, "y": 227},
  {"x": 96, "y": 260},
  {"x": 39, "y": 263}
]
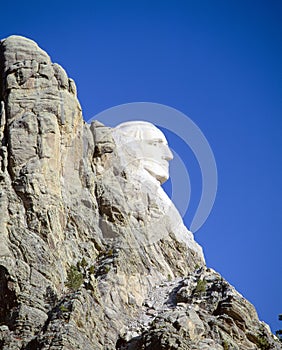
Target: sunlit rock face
[{"x": 93, "y": 254}]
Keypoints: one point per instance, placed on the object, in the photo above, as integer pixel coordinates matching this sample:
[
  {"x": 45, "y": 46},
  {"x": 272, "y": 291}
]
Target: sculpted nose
[{"x": 167, "y": 154}]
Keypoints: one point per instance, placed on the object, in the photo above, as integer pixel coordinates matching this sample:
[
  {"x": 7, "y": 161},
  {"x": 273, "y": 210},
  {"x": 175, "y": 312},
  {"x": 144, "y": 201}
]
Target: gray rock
[{"x": 83, "y": 245}]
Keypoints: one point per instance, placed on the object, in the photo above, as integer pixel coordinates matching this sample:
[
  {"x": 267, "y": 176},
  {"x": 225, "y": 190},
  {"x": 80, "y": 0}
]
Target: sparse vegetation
[
  {"x": 83, "y": 263},
  {"x": 108, "y": 253},
  {"x": 91, "y": 269},
  {"x": 279, "y": 331},
  {"x": 63, "y": 308},
  {"x": 107, "y": 268},
  {"x": 262, "y": 341},
  {"x": 200, "y": 287},
  {"x": 74, "y": 278},
  {"x": 225, "y": 345},
  {"x": 80, "y": 275}
]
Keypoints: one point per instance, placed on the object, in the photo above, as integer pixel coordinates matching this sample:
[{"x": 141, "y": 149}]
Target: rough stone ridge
[{"x": 78, "y": 266}]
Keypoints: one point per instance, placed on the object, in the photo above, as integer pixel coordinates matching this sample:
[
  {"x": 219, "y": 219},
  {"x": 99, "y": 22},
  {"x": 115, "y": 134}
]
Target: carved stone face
[{"x": 144, "y": 144}]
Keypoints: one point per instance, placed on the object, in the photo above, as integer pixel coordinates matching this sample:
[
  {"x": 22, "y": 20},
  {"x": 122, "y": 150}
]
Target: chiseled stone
[{"x": 69, "y": 203}]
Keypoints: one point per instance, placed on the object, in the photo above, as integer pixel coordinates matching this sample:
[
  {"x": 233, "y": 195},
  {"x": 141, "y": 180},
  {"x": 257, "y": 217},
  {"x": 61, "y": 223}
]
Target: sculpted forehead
[
  {"x": 139, "y": 130},
  {"x": 153, "y": 134}
]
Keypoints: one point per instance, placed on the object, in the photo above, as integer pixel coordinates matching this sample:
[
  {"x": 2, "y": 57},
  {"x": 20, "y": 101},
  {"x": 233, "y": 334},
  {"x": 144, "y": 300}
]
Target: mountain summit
[{"x": 93, "y": 255}]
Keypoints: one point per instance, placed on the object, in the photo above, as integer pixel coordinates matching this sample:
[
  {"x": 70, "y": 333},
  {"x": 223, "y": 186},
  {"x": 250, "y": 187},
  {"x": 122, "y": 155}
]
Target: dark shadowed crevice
[
  {"x": 32, "y": 345},
  {"x": 8, "y": 299}
]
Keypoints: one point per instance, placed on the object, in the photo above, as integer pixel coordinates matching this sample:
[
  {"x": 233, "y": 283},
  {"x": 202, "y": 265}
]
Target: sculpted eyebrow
[{"x": 156, "y": 140}]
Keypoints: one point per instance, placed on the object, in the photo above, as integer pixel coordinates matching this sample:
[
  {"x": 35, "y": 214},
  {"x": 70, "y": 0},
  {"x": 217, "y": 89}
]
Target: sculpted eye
[{"x": 155, "y": 142}]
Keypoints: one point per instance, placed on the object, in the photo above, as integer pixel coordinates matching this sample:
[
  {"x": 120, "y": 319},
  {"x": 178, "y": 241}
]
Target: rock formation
[{"x": 84, "y": 264}]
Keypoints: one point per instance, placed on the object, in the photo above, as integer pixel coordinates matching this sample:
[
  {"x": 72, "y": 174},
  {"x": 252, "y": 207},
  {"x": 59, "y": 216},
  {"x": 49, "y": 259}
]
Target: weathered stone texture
[{"x": 66, "y": 201}]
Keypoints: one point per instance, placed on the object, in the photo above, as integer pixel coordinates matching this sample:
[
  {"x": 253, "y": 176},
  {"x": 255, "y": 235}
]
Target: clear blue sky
[{"x": 218, "y": 62}]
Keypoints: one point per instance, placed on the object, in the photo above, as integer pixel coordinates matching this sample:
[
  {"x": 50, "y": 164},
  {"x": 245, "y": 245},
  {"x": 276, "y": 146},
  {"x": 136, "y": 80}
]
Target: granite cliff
[{"x": 83, "y": 263}]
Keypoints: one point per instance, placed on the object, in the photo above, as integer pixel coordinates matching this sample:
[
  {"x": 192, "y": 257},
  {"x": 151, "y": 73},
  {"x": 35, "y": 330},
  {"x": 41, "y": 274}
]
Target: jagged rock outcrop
[
  {"x": 78, "y": 266},
  {"x": 201, "y": 311}
]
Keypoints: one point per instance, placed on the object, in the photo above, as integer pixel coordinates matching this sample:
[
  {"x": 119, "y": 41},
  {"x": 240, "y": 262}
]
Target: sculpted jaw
[{"x": 146, "y": 145}]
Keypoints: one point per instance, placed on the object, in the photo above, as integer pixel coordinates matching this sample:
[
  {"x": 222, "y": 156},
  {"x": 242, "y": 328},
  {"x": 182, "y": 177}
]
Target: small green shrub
[
  {"x": 74, "y": 278},
  {"x": 279, "y": 334},
  {"x": 91, "y": 269},
  {"x": 200, "y": 287},
  {"x": 107, "y": 268},
  {"x": 63, "y": 308},
  {"x": 262, "y": 341},
  {"x": 110, "y": 252},
  {"x": 83, "y": 263},
  {"x": 225, "y": 345},
  {"x": 279, "y": 331}
]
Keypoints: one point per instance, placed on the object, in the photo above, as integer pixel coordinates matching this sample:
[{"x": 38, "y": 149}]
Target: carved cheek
[{"x": 149, "y": 151}]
